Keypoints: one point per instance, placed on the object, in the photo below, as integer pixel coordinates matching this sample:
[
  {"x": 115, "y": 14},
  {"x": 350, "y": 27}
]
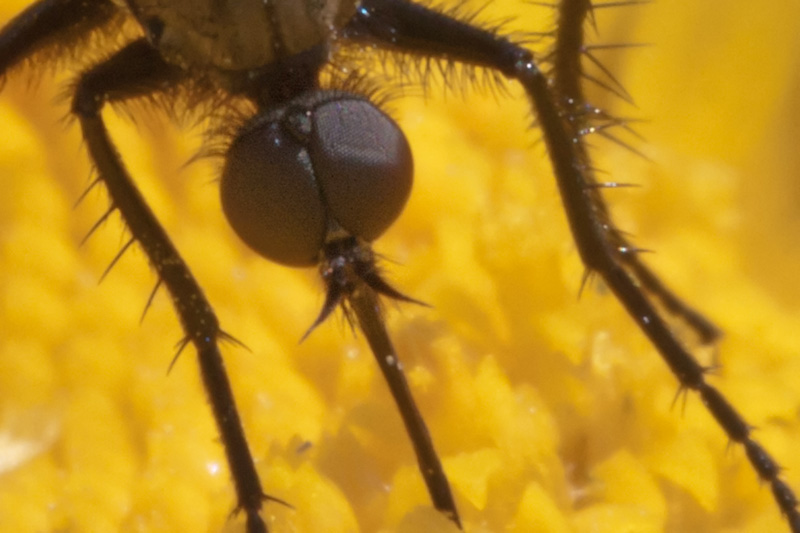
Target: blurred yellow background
[{"x": 550, "y": 413}]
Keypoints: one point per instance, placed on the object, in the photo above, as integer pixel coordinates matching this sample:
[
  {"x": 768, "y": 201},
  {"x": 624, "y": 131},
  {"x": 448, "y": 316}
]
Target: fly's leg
[
  {"x": 413, "y": 29},
  {"x": 567, "y": 77},
  {"x": 50, "y": 24},
  {"x": 138, "y": 70},
  {"x": 354, "y": 284}
]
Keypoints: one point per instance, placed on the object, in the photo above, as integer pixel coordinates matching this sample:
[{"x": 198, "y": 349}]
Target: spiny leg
[
  {"x": 410, "y": 28},
  {"x": 137, "y": 70},
  {"x": 354, "y": 283},
  {"x": 50, "y": 24},
  {"x": 567, "y": 73}
]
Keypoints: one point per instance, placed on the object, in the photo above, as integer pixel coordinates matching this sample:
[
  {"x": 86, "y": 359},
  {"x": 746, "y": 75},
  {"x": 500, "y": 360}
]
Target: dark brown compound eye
[
  {"x": 363, "y": 164},
  {"x": 270, "y": 197},
  {"x": 325, "y": 158}
]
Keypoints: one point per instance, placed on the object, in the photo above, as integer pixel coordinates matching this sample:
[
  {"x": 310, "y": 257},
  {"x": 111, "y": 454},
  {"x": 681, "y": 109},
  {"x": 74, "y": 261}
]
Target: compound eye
[
  {"x": 270, "y": 198},
  {"x": 363, "y": 165}
]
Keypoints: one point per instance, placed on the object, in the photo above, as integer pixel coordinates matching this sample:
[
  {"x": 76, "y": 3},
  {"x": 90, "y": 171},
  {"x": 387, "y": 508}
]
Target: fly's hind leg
[
  {"x": 51, "y": 24},
  {"x": 410, "y": 28},
  {"x": 137, "y": 70}
]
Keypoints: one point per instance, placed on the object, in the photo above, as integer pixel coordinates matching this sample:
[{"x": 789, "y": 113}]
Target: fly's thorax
[{"x": 235, "y": 35}]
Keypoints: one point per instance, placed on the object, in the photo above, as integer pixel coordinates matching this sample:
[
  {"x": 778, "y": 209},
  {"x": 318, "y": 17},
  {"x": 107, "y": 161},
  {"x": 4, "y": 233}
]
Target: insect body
[{"x": 478, "y": 378}]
